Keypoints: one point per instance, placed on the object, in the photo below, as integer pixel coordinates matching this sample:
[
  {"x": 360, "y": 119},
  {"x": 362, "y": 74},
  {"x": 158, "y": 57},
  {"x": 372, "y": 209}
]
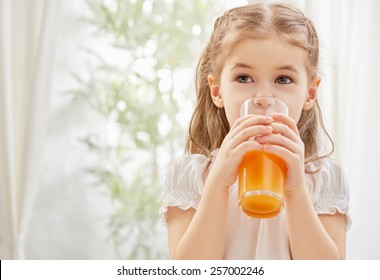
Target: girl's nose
[{"x": 264, "y": 102}]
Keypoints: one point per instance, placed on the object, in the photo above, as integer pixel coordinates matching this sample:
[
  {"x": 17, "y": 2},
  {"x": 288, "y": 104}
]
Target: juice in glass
[
  {"x": 261, "y": 175},
  {"x": 261, "y": 180}
]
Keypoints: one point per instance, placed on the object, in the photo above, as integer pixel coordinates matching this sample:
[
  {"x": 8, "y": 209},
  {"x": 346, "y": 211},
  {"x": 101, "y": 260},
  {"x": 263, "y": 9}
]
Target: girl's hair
[{"x": 209, "y": 125}]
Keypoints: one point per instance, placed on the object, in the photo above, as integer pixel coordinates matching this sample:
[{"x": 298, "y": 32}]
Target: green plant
[{"x": 141, "y": 97}]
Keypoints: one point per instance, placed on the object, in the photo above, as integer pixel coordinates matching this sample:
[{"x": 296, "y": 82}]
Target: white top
[{"x": 247, "y": 237}]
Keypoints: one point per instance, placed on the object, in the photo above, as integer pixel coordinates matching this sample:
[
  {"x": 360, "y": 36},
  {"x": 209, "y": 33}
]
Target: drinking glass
[{"x": 262, "y": 175}]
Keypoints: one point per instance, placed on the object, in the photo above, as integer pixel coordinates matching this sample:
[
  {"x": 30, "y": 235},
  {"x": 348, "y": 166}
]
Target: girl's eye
[
  {"x": 244, "y": 79},
  {"x": 283, "y": 80}
]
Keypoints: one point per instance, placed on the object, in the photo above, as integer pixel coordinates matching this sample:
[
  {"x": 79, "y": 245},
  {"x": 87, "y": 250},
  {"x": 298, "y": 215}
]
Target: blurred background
[{"x": 95, "y": 100}]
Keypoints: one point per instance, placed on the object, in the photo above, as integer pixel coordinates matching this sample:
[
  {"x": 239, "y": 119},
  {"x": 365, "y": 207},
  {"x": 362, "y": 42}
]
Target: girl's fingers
[
  {"x": 247, "y": 121},
  {"x": 286, "y": 120},
  {"x": 250, "y": 133},
  {"x": 245, "y": 147},
  {"x": 283, "y": 129},
  {"x": 280, "y": 140},
  {"x": 281, "y": 152}
]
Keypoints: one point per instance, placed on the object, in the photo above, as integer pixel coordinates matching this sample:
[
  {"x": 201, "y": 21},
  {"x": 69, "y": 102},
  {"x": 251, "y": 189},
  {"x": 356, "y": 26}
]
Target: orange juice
[{"x": 261, "y": 181}]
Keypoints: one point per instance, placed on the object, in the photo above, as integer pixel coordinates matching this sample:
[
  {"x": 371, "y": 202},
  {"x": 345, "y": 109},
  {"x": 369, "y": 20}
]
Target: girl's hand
[
  {"x": 239, "y": 141},
  {"x": 286, "y": 143}
]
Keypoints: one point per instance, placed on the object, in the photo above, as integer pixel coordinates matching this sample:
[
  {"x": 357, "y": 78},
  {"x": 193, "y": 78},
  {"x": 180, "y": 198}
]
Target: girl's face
[{"x": 264, "y": 67}]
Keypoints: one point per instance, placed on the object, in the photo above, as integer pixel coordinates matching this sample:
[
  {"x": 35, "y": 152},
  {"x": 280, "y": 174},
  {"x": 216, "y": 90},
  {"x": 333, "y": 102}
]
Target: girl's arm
[
  {"x": 199, "y": 234},
  {"x": 312, "y": 236}
]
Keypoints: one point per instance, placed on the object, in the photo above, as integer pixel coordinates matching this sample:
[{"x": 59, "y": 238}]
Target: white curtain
[
  {"x": 27, "y": 38},
  {"x": 350, "y": 43}
]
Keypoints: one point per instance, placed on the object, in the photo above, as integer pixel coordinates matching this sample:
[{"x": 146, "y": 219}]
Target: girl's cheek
[
  {"x": 232, "y": 114},
  {"x": 295, "y": 116}
]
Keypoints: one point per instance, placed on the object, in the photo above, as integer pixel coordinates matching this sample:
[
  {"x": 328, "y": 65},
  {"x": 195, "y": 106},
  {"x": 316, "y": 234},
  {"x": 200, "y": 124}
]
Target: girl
[{"x": 256, "y": 51}]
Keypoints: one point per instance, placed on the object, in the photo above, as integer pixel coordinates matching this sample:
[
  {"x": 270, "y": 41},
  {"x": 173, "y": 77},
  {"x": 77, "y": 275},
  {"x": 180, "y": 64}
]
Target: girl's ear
[
  {"x": 312, "y": 94},
  {"x": 215, "y": 91}
]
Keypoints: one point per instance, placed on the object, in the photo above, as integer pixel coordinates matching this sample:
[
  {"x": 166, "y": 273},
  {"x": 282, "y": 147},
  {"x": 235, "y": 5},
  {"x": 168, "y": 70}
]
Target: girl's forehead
[{"x": 266, "y": 51}]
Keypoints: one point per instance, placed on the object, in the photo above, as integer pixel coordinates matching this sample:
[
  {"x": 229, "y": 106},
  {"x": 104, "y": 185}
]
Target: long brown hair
[{"x": 209, "y": 125}]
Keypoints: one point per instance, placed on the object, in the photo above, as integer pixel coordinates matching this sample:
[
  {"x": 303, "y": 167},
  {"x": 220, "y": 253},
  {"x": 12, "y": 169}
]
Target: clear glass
[{"x": 261, "y": 174}]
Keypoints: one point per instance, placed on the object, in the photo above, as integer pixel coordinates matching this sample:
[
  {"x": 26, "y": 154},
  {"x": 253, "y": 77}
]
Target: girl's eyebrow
[
  {"x": 241, "y": 65},
  {"x": 288, "y": 67}
]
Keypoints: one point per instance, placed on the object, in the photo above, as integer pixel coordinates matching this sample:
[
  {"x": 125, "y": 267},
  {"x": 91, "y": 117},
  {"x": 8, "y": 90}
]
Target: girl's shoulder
[
  {"x": 328, "y": 187},
  {"x": 188, "y": 166},
  {"x": 189, "y": 160},
  {"x": 326, "y": 171},
  {"x": 184, "y": 183}
]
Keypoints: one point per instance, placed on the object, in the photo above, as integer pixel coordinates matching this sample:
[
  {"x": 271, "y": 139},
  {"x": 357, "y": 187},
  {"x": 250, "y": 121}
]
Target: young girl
[{"x": 256, "y": 51}]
